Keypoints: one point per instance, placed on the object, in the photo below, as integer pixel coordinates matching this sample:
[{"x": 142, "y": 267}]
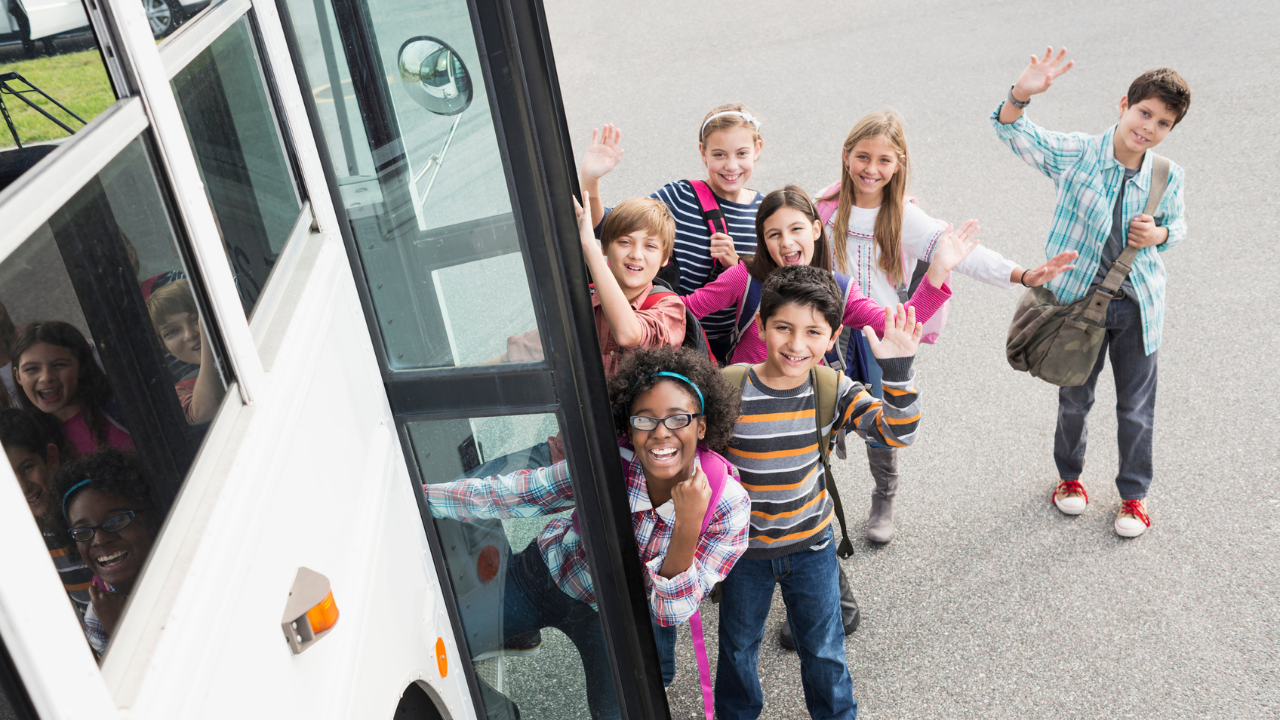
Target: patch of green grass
[{"x": 77, "y": 80}]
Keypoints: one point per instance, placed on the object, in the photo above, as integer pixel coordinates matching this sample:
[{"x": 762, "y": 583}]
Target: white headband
[{"x": 739, "y": 113}]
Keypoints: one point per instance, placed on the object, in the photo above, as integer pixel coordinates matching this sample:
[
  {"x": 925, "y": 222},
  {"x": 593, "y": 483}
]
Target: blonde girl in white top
[{"x": 879, "y": 234}]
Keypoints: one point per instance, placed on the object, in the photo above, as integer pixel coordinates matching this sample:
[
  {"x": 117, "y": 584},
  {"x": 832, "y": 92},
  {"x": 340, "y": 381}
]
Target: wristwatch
[{"x": 1020, "y": 104}]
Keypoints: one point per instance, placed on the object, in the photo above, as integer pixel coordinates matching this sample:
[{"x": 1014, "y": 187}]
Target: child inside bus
[
  {"x": 674, "y": 412},
  {"x": 105, "y": 504},
  {"x": 729, "y": 144},
  {"x": 65, "y": 390},
  {"x": 177, "y": 323},
  {"x": 34, "y": 458},
  {"x": 775, "y": 446}
]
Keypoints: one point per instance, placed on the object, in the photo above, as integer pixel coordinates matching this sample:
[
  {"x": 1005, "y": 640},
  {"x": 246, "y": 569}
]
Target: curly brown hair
[{"x": 635, "y": 375}]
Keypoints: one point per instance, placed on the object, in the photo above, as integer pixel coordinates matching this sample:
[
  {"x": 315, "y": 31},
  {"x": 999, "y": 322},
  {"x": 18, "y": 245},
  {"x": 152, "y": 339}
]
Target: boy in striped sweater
[{"x": 775, "y": 448}]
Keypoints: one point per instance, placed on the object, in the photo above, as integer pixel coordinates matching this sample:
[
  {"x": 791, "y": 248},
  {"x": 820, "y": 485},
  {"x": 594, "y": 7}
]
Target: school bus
[{"x": 360, "y": 200}]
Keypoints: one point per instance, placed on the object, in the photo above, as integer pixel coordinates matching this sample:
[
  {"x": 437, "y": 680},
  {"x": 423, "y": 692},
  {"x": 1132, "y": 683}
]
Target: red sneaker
[
  {"x": 1133, "y": 519},
  {"x": 1070, "y": 497}
]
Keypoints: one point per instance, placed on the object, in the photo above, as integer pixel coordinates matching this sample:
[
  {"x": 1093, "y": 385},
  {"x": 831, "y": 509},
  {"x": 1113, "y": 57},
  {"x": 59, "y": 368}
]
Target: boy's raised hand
[
  {"x": 603, "y": 154},
  {"x": 1041, "y": 73},
  {"x": 586, "y": 231},
  {"x": 901, "y": 334}
]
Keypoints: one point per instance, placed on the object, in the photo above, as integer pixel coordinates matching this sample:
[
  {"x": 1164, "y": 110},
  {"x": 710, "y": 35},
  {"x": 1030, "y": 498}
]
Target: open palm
[
  {"x": 901, "y": 334},
  {"x": 604, "y": 152},
  {"x": 1042, "y": 71},
  {"x": 955, "y": 245},
  {"x": 1055, "y": 266}
]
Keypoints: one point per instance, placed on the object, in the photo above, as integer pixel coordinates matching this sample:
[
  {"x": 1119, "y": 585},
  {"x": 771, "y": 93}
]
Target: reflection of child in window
[
  {"x": 177, "y": 323},
  {"x": 65, "y": 390},
  {"x": 107, "y": 508}
]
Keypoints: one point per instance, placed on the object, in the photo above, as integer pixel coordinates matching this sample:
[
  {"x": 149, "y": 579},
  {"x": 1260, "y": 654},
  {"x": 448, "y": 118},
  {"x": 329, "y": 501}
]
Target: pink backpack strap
[
  {"x": 718, "y": 471},
  {"x": 711, "y": 212},
  {"x": 827, "y": 208}
]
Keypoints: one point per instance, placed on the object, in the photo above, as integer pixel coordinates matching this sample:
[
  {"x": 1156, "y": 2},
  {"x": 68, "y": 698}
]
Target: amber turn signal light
[{"x": 310, "y": 612}]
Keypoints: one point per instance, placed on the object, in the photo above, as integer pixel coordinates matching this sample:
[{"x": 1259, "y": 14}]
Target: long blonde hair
[{"x": 888, "y": 226}]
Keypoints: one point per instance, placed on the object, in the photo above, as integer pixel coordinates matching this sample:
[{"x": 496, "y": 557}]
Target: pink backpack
[
  {"x": 718, "y": 471},
  {"x": 911, "y": 268}
]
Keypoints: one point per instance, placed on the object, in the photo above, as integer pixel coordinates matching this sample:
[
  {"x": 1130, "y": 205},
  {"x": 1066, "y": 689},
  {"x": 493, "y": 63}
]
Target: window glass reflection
[
  {"x": 52, "y": 80},
  {"x": 538, "y": 651},
  {"x": 421, "y": 176},
  {"x": 231, "y": 121},
  {"x": 103, "y": 408}
]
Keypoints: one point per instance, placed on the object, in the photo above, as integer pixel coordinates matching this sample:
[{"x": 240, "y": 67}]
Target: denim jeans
[
  {"x": 811, "y": 592},
  {"x": 532, "y": 601},
  {"x": 666, "y": 639},
  {"x": 1135, "y": 376}
]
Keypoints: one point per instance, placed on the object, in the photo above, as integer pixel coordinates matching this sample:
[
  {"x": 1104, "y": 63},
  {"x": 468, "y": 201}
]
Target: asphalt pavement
[{"x": 989, "y": 602}]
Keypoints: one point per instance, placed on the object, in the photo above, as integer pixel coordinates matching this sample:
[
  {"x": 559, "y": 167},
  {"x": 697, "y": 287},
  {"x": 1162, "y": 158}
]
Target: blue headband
[
  {"x": 702, "y": 404},
  {"x": 67, "y": 496}
]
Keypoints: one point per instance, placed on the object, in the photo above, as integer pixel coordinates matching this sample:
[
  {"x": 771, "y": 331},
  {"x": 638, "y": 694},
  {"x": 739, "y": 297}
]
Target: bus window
[
  {"x": 114, "y": 380},
  {"x": 425, "y": 191},
  {"x": 240, "y": 150},
  {"x": 52, "y": 80},
  {"x": 509, "y": 576}
]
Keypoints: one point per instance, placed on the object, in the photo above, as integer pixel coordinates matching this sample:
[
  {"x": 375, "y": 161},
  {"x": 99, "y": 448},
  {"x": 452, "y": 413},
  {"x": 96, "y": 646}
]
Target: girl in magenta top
[
  {"x": 64, "y": 389},
  {"x": 789, "y": 232}
]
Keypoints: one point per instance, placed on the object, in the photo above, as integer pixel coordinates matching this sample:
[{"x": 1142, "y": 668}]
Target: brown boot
[{"x": 884, "y": 470}]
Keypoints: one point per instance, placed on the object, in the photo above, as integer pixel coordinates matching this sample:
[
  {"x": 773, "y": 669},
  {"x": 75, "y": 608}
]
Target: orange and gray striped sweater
[{"x": 775, "y": 448}]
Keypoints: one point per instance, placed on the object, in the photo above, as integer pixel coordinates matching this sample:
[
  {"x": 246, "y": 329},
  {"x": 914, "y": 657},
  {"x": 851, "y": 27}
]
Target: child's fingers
[
  {"x": 917, "y": 333},
  {"x": 911, "y": 316},
  {"x": 872, "y": 341},
  {"x": 900, "y": 322}
]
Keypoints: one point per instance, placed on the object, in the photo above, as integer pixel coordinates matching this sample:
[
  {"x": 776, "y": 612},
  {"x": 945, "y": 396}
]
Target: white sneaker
[
  {"x": 1133, "y": 519},
  {"x": 1070, "y": 497}
]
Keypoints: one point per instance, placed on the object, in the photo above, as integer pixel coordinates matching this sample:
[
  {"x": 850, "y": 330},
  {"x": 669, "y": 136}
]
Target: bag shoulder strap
[
  {"x": 826, "y": 387},
  {"x": 1160, "y": 169},
  {"x": 711, "y": 212},
  {"x": 655, "y": 294},
  {"x": 736, "y": 374}
]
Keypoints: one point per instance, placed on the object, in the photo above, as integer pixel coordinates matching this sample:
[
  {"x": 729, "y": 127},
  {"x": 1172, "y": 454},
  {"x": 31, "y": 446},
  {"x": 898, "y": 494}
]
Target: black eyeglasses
[
  {"x": 673, "y": 422},
  {"x": 111, "y": 525}
]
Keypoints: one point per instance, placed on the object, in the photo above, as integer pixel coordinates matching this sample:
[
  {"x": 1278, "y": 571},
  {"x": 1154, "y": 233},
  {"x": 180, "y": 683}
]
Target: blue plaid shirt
[
  {"x": 1088, "y": 176},
  {"x": 544, "y": 491}
]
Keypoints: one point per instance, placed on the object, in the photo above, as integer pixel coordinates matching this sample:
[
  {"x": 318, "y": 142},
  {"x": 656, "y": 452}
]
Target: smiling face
[
  {"x": 180, "y": 334},
  {"x": 730, "y": 156},
  {"x": 49, "y": 375},
  {"x": 115, "y": 557},
  {"x": 797, "y": 336},
  {"x": 790, "y": 235},
  {"x": 635, "y": 259},
  {"x": 871, "y": 165},
  {"x": 33, "y": 471},
  {"x": 1142, "y": 126},
  {"x": 667, "y": 454}
]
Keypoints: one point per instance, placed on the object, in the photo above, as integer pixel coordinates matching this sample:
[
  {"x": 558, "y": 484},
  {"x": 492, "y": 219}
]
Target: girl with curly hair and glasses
[{"x": 674, "y": 413}]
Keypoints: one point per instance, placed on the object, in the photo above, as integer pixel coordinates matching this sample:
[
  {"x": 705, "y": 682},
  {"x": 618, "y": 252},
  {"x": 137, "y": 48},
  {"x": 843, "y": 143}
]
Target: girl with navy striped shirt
[{"x": 729, "y": 142}]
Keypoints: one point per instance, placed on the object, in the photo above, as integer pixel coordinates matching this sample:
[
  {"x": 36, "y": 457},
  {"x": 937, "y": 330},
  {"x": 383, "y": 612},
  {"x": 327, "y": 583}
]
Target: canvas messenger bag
[{"x": 1059, "y": 343}]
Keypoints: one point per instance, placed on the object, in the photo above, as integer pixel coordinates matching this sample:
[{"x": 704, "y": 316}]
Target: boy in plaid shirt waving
[{"x": 1103, "y": 182}]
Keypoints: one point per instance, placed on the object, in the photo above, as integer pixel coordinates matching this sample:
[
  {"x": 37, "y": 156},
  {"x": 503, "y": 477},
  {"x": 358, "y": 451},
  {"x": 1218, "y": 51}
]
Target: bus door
[{"x": 449, "y": 165}]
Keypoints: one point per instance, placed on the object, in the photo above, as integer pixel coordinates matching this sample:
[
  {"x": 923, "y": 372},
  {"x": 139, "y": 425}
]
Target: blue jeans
[
  {"x": 1135, "y": 376},
  {"x": 532, "y": 601},
  {"x": 811, "y": 592},
  {"x": 666, "y": 639}
]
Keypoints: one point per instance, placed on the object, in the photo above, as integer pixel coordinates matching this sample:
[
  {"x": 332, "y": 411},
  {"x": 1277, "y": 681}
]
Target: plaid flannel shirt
[
  {"x": 545, "y": 491},
  {"x": 1088, "y": 177}
]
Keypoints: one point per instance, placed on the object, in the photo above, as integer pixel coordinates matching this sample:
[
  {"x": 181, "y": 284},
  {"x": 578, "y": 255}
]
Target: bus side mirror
[{"x": 434, "y": 76}]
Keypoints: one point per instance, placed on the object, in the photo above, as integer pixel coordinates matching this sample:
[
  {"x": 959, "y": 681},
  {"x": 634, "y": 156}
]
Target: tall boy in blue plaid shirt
[{"x": 1103, "y": 182}]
